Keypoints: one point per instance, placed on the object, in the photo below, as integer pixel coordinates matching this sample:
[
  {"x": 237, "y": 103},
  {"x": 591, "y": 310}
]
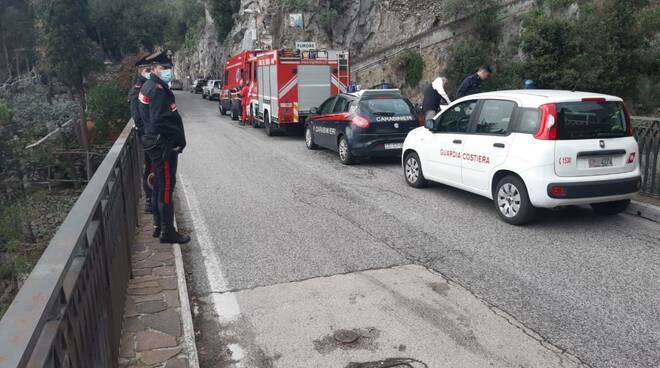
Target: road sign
[{"x": 305, "y": 45}]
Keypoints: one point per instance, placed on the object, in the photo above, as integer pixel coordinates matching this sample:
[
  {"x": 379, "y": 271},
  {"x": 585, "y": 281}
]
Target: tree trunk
[
  {"x": 18, "y": 65},
  {"x": 4, "y": 49}
]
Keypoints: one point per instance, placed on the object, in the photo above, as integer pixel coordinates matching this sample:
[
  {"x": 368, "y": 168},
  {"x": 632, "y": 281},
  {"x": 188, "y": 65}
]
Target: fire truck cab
[
  {"x": 238, "y": 72},
  {"x": 288, "y": 84}
]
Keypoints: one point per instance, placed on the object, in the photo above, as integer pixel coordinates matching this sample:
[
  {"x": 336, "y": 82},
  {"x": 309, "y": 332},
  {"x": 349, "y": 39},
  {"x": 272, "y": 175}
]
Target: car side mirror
[
  {"x": 429, "y": 124},
  {"x": 314, "y": 110}
]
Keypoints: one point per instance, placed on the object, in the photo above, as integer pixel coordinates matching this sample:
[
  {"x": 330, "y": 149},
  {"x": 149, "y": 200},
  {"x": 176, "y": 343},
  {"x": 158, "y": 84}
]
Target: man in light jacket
[{"x": 434, "y": 97}]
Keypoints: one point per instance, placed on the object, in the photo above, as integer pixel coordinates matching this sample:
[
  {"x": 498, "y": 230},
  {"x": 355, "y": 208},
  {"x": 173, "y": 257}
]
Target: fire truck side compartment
[{"x": 313, "y": 86}]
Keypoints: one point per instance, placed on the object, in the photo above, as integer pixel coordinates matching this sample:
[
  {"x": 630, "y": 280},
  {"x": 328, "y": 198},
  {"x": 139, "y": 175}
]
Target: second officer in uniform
[
  {"x": 164, "y": 140},
  {"x": 144, "y": 73}
]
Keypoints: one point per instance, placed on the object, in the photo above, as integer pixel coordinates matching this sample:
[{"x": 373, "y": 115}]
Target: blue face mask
[
  {"x": 147, "y": 75},
  {"x": 166, "y": 75}
]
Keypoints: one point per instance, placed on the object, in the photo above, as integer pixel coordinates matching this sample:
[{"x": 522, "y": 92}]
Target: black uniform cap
[
  {"x": 142, "y": 62},
  {"x": 159, "y": 58}
]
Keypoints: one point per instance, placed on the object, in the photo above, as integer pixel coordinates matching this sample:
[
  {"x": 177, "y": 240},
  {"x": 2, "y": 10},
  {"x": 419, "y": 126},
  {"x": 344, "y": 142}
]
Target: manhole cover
[{"x": 346, "y": 336}]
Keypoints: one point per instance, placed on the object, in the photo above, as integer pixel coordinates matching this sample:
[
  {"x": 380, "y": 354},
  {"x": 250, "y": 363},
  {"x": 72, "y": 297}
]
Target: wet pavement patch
[
  {"x": 440, "y": 287},
  {"x": 355, "y": 339}
]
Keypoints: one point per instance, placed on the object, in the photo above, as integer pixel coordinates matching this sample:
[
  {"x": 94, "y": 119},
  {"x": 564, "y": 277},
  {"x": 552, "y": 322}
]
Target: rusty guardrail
[
  {"x": 647, "y": 133},
  {"x": 69, "y": 311}
]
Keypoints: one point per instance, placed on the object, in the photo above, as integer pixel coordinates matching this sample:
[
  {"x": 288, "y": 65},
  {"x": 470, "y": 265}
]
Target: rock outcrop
[{"x": 375, "y": 32}]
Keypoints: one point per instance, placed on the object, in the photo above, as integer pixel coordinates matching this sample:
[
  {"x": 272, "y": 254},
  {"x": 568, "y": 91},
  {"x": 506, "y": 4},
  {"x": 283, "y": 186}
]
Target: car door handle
[
  {"x": 498, "y": 145},
  {"x": 457, "y": 141}
]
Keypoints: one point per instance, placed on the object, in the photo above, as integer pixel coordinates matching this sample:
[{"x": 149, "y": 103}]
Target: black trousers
[
  {"x": 148, "y": 169},
  {"x": 164, "y": 161}
]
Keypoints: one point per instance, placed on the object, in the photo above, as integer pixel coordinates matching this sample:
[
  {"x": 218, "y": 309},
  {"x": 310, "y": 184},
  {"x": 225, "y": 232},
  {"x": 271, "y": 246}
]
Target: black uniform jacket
[
  {"x": 471, "y": 85},
  {"x": 432, "y": 99},
  {"x": 162, "y": 123},
  {"x": 134, "y": 102}
]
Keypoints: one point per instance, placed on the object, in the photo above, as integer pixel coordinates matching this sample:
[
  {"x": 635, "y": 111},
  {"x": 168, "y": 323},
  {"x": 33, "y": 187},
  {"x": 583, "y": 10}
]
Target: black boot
[
  {"x": 172, "y": 236},
  {"x": 148, "y": 208},
  {"x": 156, "y": 233}
]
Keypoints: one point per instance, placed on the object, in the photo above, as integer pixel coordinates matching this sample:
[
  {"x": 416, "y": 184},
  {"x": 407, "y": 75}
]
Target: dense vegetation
[
  {"x": 608, "y": 46},
  {"x": 59, "y": 65},
  {"x": 223, "y": 12}
]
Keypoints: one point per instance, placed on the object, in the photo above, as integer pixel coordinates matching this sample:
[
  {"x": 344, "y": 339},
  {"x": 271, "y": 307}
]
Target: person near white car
[
  {"x": 530, "y": 149},
  {"x": 435, "y": 96}
]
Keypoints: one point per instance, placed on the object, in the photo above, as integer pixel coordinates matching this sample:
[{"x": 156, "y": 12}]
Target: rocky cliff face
[
  {"x": 374, "y": 31},
  {"x": 204, "y": 58},
  {"x": 363, "y": 27}
]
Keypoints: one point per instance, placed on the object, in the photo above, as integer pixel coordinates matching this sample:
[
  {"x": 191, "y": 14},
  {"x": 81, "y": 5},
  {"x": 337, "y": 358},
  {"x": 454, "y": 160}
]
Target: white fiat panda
[{"x": 530, "y": 148}]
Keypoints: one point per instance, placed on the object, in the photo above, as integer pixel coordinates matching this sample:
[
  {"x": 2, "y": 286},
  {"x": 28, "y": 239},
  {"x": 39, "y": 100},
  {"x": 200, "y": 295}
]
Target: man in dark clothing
[
  {"x": 434, "y": 97},
  {"x": 164, "y": 139},
  {"x": 144, "y": 71},
  {"x": 472, "y": 83}
]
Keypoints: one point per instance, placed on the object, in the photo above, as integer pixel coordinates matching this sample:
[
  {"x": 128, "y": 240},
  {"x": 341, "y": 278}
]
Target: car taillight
[
  {"x": 360, "y": 122},
  {"x": 629, "y": 127},
  {"x": 594, "y": 99},
  {"x": 558, "y": 191},
  {"x": 548, "y": 128},
  {"x": 420, "y": 120},
  {"x": 631, "y": 158}
]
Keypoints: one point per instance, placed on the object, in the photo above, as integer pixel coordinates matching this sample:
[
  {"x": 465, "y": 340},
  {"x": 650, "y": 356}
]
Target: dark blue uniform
[
  {"x": 471, "y": 85},
  {"x": 133, "y": 95},
  {"x": 164, "y": 139}
]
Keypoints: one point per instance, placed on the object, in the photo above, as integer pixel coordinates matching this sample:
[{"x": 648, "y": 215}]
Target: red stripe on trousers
[{"x": 168, "y": 182}]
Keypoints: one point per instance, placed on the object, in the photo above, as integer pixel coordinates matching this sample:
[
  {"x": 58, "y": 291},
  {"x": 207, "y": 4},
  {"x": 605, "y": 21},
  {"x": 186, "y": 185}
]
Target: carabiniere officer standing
[
  {"x": 164, "y": 139},
  {"x": 144, "y": 73}
]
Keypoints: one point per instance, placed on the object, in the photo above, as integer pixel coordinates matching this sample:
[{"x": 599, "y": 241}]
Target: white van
[{"x": 530, "y": 148}]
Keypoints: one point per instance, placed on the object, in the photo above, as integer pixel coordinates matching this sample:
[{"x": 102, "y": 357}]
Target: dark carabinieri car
[{"x": 362, "y": 124}]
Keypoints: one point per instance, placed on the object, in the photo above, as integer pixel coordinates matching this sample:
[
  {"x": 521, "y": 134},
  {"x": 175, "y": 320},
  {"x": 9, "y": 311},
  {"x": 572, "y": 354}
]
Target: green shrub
[
  {"x": 464, "y": 58},
  {"x": 13, "y": 246},
  {"x": 223, "y": 12},
  {"x": 5, "y": 115},
  {"x": 296, "y": 5},
  {"x": 11, "y": 222},
  {"x": 107, "y": 103},
  {"x": 412, "y": 66}
]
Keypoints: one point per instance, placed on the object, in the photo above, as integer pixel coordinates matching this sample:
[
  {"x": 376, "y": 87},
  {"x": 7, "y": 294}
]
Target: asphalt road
[{"x": 279, "y": 213}]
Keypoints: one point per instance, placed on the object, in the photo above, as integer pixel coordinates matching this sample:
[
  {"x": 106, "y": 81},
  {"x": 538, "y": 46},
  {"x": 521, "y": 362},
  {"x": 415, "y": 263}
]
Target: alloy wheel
[
  {"x": 412, "y": 169},
  {"x": 508, "y": 200}
]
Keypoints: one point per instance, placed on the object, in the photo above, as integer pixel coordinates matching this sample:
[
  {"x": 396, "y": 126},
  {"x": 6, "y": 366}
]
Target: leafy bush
[
  {"x": 412, "y": 65},
  {"x": 223, "y": 12},
  {"x": 464, "y": 59},
  {"x": 296, "y": 5},
  {"x": 107, "y": 104},
  {"x": 11, "y": 220},
  {"x": 561, "y": 52}
]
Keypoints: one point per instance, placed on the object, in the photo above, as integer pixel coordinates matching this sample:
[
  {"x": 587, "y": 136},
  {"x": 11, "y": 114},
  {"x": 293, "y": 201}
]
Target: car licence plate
[
  {"x": 601, "y": 162},
  {"x": 389, "y": 146}
]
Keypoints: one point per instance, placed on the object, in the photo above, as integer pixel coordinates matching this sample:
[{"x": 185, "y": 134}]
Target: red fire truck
[
  {"x": 284, "y": 85},
  {"x": 238, "y": 70}
]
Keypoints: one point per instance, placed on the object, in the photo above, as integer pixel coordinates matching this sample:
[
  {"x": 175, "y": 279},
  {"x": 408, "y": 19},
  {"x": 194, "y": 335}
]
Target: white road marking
[{"x": 225, "y": 303}]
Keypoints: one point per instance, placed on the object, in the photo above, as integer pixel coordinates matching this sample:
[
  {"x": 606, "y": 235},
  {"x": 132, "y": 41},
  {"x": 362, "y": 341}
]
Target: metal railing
[
  {"x": 647, "y": 132},
  {"x": 69, "y": 311}
]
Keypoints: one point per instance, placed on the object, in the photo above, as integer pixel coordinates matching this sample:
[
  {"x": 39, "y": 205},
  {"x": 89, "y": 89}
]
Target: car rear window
[
  {"x": 387, "y": 107},
  {"x": 591, "y": 119},
  {"x": 528, "y": 121}
]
